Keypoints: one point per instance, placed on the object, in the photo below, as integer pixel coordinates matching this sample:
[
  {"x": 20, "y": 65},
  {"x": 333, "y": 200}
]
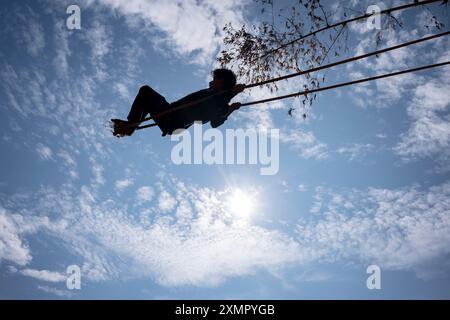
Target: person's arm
[
  {"x": 221, "y": 119},
  {"x": 233, "y": 107}
]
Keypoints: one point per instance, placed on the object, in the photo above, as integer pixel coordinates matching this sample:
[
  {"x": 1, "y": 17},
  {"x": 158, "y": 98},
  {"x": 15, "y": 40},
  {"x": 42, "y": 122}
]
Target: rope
[
  {"x": 346, "y": 83},
  {"x": 146, "y": 126},
  {"x": 367, "y": 15},
  {"x": 348, "y": 60}
]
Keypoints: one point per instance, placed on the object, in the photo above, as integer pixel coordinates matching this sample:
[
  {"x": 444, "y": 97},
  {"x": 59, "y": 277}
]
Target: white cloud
[
  {"x": 68, "y": 115},
  {"x": 166, "y": 202},
  {"x": 63, "y": 51},
  {"x": 425, "y": 94},
  {"x": 30, "y": 31},
  {"x": 123, "y": 184},
  {"x": 12, "y": 247},
  {"x": 122, "y": 89},
  {"x": 355, "y": 150},
  {"x": 145, "y": 194},
  {"x": 44, "y": 275},
  {"x": 384, "y": 93},
  {"x": 44, "y": 152},
  {"x": 56, "y": 292},
  {"x": 97, "y": 171},
  {"x": 69, "y": 163},
  {"x": 67, "y": 158},
  {"x": 403, "y": 229},
  {"x": 195, "y": 240},
  {"x": 285, "y": 186},
  {"x": 190, "y": 28},
  {"x": 200, "y": 245},
  {"x": 100, "y": 40},
  {"x": 305, "y": 143},
  {"x": 429, "y": 133},
  {"x": 313, "y": 276}
]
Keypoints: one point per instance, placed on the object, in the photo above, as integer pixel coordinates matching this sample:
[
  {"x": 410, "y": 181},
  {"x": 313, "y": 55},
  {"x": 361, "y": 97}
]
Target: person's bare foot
[{"x": 122, "y": 128}]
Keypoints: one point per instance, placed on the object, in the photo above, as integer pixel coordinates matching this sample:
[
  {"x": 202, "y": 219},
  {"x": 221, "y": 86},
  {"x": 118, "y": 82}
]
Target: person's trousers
[{"x": 148, "y": 101}]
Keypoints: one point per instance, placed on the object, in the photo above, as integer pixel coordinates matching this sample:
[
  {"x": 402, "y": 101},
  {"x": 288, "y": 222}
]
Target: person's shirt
[{"x": 214, "y": 109}]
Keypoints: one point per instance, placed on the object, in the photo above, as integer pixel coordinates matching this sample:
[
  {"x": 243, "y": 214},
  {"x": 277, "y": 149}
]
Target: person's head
[{"x": 223, "y": 79}]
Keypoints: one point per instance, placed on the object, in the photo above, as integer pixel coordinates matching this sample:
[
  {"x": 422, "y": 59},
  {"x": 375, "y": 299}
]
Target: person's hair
[{"x": 228, "y": 77}]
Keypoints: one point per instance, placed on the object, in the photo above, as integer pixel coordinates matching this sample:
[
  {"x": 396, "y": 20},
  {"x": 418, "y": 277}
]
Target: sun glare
[{"x": 241, "y": 203}]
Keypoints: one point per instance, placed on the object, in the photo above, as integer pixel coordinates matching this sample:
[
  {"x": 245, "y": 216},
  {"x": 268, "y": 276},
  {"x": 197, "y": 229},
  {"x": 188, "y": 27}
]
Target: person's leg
[{"x": 148, "y": 101}]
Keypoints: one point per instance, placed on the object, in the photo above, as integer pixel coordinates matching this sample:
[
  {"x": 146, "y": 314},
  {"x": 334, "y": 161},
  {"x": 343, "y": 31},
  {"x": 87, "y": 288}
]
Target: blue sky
[{"x": 364, "y": 180}]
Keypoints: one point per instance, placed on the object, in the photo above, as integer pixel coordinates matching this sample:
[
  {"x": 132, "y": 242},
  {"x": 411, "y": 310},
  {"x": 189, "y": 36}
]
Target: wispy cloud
[
  {"x": 189, "y": 28},
  {"x": 399, "y": 229},
  {"x": 355, "y": 151},
  {"x": 44, "y": 275},
  {"x": 100, "y": 40},
  {"x": 56, "y": 291},
  {"x": 424, "y": 94},
  {"x": 429, "y": 133},
  {"x": 63, "y": 52},
  {"x": 402, "y": 229},
  {"x": 145, "y": 194},
  {"x": 123, "y": 184},
  {"x": 387, "y": 92},
  {"x": 305, "y": 143},
  {"x": 12, "y": 247},
  {"x": 204, "y": 250},
  {"x": 44, "y": 152},
  {"x": 30, "y": 33},
  {"x": 166, "y": 202}
]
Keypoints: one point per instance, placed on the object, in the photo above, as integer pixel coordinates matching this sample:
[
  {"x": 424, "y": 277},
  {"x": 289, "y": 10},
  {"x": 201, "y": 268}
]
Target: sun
[{"x": 241, "y": 203}]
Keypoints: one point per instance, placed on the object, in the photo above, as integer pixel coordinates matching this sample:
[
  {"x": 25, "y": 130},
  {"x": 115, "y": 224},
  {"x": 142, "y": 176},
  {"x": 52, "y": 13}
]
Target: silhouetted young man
[{"x": 215, "y": 109}]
